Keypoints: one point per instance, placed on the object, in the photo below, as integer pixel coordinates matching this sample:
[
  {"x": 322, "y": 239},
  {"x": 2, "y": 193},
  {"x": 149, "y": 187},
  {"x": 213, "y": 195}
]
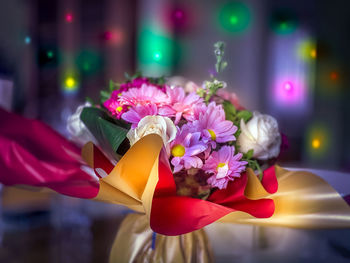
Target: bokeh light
[
  {"x": 306, "y": 50},
  {"x": 289, "y": 90},
  {"x": 69, "y": 17},
  {"x": 155, "y": 48},
  {"x": 331, "y": 82},
  {"x": 27, "y": 40},
  {"x": 334, "y": 76},
  {"x": 89, "y": 62},
  {"x": 317, "y": 140},
  {"x": 70, "y": 85},
  {"x": 114, "y": 36},
  {"x": 284, "y": 22},
  {"x": 180, "y": 18},
  {"x": 50, "y": 54},
  {"x": 234, "y": 17},
  {"x": 316, "y": 143},
  {"x": 288, "y": 87}
]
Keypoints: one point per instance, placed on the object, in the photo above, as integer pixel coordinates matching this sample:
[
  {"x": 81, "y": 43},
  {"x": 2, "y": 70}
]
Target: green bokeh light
[
  {"x": 155, "y": 52},
  {"x": 157, "y": 56},
  {"x": 50, "y": 54},
  {"x": 284, "y": 22},
  {"x": 234, "y": 17},
  {"x": 89, "y": 62}
]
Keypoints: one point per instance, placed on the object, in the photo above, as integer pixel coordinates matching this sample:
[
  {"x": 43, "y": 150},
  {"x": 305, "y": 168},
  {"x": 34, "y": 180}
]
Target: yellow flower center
[
  {"x": 212, "y": 134},
  {"x": 220, "y": 165},
  {"x": 178, "y": 150},
  {"x": 119, "y": 109}
]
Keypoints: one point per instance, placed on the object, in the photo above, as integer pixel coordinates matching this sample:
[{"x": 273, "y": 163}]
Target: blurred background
[{"x": 287, "y": 58}]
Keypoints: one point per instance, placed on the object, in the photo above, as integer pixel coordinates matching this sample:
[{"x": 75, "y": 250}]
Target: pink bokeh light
[
  {"x": 69, "y": 17},
  {"x": 114, "y": 36},
  {"x": 289, "y": 90}
]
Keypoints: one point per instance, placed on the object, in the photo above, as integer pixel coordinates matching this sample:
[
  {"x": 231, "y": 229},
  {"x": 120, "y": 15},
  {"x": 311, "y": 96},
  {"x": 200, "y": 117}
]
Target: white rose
[
  {"x": 262, "y": 135},
  {"x": 77, "y": 129},
  {"x": 163, "y": 126}
]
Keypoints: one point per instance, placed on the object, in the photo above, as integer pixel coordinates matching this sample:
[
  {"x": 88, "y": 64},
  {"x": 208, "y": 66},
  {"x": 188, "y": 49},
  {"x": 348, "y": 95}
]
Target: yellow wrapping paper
[
  {"x": 303, "y": 199},
  {"x": 134, "y": 244}
]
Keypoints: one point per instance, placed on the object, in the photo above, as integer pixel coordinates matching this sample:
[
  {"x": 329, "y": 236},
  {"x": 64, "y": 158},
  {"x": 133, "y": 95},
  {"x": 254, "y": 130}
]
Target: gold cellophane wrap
[
  {"x": 303, "y": 200},
  {"x": 134, "y": 244}
]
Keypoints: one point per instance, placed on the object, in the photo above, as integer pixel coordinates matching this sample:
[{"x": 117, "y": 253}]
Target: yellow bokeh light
[
  {"x": 316, "y": 143},
  {"x": 70, "y": 83},
  {"x": 313, "y": 53}
]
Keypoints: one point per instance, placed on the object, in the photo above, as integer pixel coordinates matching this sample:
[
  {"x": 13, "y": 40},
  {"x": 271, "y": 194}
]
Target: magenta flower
[
  {"x": 224, "y": 166},
  {"x": 180, "y": 104},
  {"x": 144, "y": 95},
  {"x": 114, "y": 107},
  {"x": 184, "y": 149},
  {"x": 214, "y": 127},
  {"x": 137, "y": 83},
  {"x": 136, "y": 113}
]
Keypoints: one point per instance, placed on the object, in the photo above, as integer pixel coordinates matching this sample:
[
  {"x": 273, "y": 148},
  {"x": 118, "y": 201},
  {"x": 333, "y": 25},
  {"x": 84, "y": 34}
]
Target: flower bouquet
[{"x": 184, "y": 155}]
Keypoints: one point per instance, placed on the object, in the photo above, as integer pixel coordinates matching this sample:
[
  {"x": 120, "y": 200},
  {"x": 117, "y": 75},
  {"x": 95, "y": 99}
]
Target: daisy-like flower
[
  {"x": 224, "y": 166},
  {"x": 136, "y": 113},
  {"x": 114, "y": 107},
  {"x": 184, "y": 149},
  {"x": 214, "y": 127},
  {"x": 147, "y": 94},
  {"x": 180, "y": 104}
]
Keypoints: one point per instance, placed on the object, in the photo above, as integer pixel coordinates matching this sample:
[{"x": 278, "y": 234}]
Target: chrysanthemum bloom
[
  {"x": 184, "y": 149},
  {"x": 224, "y": 166},
  {"x": 144, "y": 95},
  {"x": 180, "y": 104},
  {"x": 136, "y": 113},
  {"x": 114, "y": 107},
  {"x": 214, "y": 127}
]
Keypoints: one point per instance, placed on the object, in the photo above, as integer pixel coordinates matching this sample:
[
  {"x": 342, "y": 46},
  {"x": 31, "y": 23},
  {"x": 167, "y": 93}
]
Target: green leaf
[
  {"x": 105, "y": 95},
  {"x": 245, "y": 115},
  {"x": 111, "y": 85},
  {"x": 127, "y": 76},
  {"x": 230, "y": 110},
  {"x": 91, "y": 101},
  {"x": 114, "y": 134},
  {"x": 249, "y": 154},
  {"x": 108, "y": 132}
]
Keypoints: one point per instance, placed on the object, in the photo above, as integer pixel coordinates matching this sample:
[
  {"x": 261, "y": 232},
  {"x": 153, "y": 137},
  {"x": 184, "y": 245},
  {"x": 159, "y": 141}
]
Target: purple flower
[
  {"x": 136, "y": 113},
  {"x": 184, "y": 149},
  {"x": 214, "y": 127},
  {"x": 180, "y": 104},
  {"x": 224, "y": 166}
]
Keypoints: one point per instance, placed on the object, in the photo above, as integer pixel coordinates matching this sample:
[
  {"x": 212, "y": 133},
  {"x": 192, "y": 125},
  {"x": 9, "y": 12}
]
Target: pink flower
[
  {"x": 137, "y": 83},
  {"x": 224, "y": 166},
  {"x": 184, "y": 149},
  {"x": 114, "y": 107},
  {"x": 136, "y": 113},
  {"x": 145, "y": 95},
  {"x": 214, "y": 127},
  {"x": 180, "y": 104},
  {"x": 231, "y": 97}
]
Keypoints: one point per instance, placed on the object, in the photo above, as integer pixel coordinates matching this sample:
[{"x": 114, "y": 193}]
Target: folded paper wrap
[{"x": 35, "y": 155}]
